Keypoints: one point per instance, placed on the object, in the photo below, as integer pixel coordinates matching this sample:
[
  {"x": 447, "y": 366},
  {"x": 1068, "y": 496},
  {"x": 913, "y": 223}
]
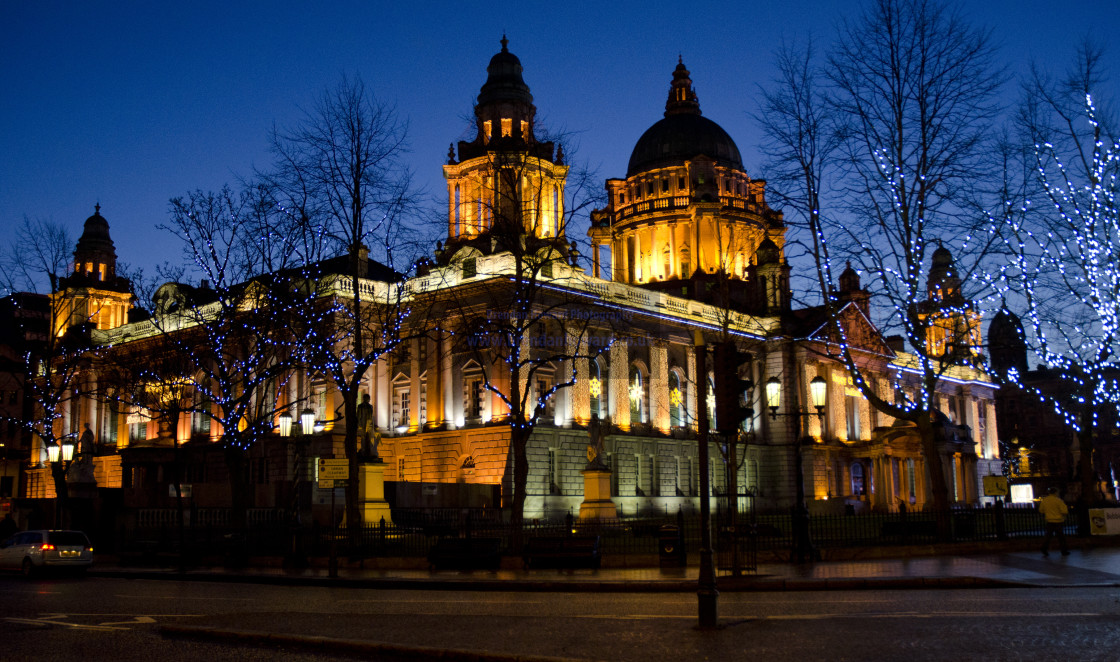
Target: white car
[{"x": 31, "y": 551}]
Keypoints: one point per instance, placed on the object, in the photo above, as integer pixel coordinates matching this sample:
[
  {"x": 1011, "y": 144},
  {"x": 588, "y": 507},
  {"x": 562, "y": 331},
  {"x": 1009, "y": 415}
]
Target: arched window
[
  {"x": 676, "y": 400},
  {"x": 636, "y": 394},
  {"x": 596, "y": 386},
  {"x": 712, "y": 401}
]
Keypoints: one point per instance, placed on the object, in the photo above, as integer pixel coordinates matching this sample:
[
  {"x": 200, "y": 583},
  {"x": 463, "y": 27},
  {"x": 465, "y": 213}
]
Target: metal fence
[{"x": 629, "y": 541}]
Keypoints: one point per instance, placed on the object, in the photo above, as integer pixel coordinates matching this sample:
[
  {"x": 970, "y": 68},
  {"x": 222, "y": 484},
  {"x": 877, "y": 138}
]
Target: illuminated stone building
[{"x": 686, "y": 243}]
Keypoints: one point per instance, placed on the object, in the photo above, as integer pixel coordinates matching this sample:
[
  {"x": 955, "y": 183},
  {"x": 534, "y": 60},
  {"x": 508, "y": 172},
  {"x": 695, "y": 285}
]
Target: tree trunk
[
  {"x": 353, "y": 507},
  {"x": 239, "y": 505},
  {"x": 519, "y": 442},
  {"x": 938, "y": 487}
]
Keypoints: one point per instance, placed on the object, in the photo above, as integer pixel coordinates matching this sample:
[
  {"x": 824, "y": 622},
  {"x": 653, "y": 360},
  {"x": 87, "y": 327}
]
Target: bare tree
[
  {"x": 222, "y": 348},
  {"x": 53, "y": 343},
  {"x": 1064, "y": 237},
  {"x": 878, "y": 151},
  {"x": 340, "y": 176}
]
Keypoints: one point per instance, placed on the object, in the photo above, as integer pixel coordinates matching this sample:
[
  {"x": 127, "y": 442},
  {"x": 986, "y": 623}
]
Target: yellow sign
[
  {"x": 995, "y": 486},
  {"x": 1104, "y": 521},
  {"x": 334, "y": 469}
]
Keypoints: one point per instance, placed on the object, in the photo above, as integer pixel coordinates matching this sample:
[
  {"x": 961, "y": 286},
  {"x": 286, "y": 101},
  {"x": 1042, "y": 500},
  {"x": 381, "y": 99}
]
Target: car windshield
[{"x": 68, "y": 538}]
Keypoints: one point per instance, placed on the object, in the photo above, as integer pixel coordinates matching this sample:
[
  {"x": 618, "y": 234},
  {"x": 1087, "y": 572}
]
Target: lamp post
[
  {"x": 803, "y": 549},
  {"x": 284, "y": 423},
  {"x": 59, "y": 455},
  {"x": 707, "y": 596}
]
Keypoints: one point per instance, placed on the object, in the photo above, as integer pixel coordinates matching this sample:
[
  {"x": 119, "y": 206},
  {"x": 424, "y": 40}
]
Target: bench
[
  {"x": 465, "y": 554},
  {"x": 562, "y": 552}
]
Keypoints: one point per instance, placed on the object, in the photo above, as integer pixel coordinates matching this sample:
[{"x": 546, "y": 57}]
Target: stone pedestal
[
  {"x": 371, "y": 493},
  {"x": 597, "y": 502}
]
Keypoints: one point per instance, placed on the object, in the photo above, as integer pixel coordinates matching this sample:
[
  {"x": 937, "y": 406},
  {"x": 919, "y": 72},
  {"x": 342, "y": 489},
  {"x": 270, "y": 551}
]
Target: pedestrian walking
[{"x": 1054, "y": 512}]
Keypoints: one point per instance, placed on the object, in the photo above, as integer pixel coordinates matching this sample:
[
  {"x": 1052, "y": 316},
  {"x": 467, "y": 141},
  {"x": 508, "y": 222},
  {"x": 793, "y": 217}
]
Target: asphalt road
[{"x": 117, "y": 619}]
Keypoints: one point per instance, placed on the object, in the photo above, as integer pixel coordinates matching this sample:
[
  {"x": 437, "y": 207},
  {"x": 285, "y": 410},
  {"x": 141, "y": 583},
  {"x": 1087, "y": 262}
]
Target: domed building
[
  {"x": 687, "y": 212},
  {"x": 506, "y": 325}
]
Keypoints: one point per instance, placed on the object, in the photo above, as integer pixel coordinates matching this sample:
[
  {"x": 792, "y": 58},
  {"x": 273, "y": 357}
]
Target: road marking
[
  {"x": 76, "y": 626},
  {"x": 184, "y": 597},
  {"x": 452, "y": 602},
  {"x": 821, "y": 617},
  {"x": 139, "y": 620}
]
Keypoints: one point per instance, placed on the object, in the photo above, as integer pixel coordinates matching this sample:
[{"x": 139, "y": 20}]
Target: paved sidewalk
[{"x": 1087, "y": 567}]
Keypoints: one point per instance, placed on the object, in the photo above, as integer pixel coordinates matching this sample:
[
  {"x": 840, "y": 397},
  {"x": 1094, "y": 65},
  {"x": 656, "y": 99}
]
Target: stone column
[
  {"x": 415, "y": 367},
  {"x": 579, "y": 394},
  {"x": 990, "y": 430},
  {"x": 450, "y": 386},
  {"x": 691, "y": 388},
  {"x": 433, "y": 367},
  {"x": 382, "y": 394},
  {"x": 659, "y": 385},
  {"x": 620, "y": 384}
]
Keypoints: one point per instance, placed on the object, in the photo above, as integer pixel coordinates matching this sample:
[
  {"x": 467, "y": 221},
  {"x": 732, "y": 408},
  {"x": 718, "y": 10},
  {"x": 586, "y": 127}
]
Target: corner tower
[
  {"x": 504, "y": 183},
  {"x": 687, "y": 210},
  {"x": 93, "y": 293},
  {"x": 950, "y": 321}
]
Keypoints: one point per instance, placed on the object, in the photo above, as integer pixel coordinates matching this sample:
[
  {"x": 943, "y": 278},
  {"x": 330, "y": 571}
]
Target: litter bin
[{"x": 670, "y": 548}]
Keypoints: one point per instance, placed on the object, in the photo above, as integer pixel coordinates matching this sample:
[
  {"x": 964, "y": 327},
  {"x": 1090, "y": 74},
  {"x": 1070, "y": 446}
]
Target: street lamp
[
  {"x": 63, "y": 448},
  {"x": 284, "y": 421},
  {"x": 307, "y": 420},
  {"x": 818, "y": 391}
]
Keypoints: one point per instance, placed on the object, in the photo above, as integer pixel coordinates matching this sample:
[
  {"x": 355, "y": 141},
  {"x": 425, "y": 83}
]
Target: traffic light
[{"x": 732, "y": 404}]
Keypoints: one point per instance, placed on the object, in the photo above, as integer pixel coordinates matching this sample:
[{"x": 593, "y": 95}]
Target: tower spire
[{"x": 682, "y": 98}]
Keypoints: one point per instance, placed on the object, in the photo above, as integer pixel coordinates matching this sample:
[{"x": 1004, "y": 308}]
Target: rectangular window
[
  {"x": 553, "y": 472},
  {"x": 474, "y": 399},
  {"x": 137, "y": 432},
  {"x": 109, "y": 431},
  {"x": 403, "y": 417},
  {"x": 851, "y": 410},
  {"x": 507, "y": 127},
  {"x": 400, "y": 468},
  {"x": 200, "y": 421},
  {"x": 470, "y": 268}
]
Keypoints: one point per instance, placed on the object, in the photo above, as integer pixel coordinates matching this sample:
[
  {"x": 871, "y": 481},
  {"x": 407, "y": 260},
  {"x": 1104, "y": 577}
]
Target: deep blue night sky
[{"x": 131, "y": 103}]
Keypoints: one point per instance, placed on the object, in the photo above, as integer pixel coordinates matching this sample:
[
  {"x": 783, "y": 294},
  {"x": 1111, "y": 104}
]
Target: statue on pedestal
[
  {"x": 595, "y": 444},
  {"x": 365, "y": 430}
]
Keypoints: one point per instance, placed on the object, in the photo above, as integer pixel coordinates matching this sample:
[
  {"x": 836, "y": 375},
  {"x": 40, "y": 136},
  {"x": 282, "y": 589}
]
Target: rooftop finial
[
  {"x": 505, "y": 42},
  {"x": 97, "y": 208}
]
